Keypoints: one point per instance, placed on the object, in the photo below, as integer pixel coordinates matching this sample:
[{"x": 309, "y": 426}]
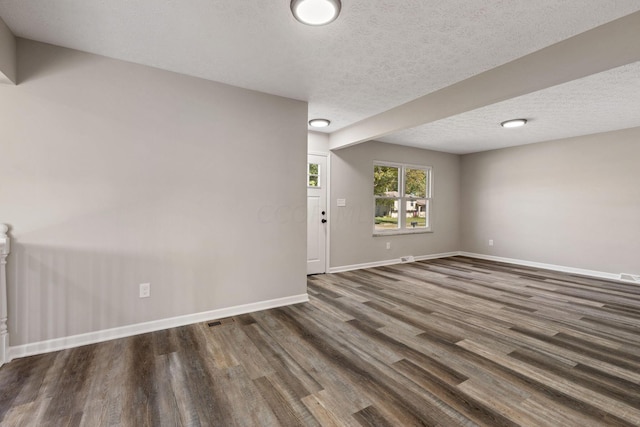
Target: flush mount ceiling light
[
  {"x": 515, "y": 123},
  {"x": 319, "y": 123},
  {"x": 315, "y": 12}
]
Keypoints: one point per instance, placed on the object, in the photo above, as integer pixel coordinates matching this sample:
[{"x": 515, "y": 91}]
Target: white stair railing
[{"x": 5, "y": 247}]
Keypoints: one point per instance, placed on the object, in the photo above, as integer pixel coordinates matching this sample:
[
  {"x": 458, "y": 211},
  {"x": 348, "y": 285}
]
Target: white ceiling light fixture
[
  {"x": 319, "y": 123},
  {"x": 316, "y": 12},
  {"x": 515, "y": 123}
]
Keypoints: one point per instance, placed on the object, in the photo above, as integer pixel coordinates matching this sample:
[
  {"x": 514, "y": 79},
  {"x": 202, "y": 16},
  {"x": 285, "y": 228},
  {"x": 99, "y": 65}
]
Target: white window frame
[{"x": 403, "y": 199}]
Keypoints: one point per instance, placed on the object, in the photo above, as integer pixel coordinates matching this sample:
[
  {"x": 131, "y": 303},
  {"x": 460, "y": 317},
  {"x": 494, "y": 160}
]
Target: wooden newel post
[{"x": 5, "y": 247}]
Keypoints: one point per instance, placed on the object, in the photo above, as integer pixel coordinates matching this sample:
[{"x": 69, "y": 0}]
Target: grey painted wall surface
[
  {"x": 7, "y": 55},
  {"x": 573, "y": 202},
  {"x": 318, "y": 142},
  {"x": 352, "y": 240},
  {"x": 114, "y": 174}
]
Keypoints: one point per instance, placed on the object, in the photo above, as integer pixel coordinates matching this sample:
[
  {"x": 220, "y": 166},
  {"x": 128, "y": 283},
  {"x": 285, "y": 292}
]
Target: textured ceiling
[
  {"x": 377, "y": 55},
  {"x": 599, "y": 103}
]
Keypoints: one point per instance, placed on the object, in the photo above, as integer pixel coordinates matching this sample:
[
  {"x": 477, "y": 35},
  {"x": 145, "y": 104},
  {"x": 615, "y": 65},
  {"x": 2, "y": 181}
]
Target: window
[
  {"x": 402, "y": 196},
  {"x": 313, "y": 175}
]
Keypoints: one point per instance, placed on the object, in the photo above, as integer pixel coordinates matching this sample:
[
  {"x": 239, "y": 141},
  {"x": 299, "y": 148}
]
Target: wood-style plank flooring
[{"x": 446, "y": 342}]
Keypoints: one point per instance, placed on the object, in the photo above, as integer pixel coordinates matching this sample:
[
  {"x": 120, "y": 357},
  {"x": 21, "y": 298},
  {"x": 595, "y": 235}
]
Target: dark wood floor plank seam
[
  {"x": 587, "y": 400},
  {"x": 613, "y": 387},
  {"x": 366, "y": 374}
]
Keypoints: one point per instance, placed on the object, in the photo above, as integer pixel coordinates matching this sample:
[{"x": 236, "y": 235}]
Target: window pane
[
  {"x": 415, "y": 183},
  {"x": 313, "y": 172},
  {"x": 417, "y": 213},
  {"x": 386, "y": 217},
  {"x": 385, "y": 181}
]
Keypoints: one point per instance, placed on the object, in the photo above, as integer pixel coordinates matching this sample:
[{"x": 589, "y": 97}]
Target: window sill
[{"x": 400, "y": 232}]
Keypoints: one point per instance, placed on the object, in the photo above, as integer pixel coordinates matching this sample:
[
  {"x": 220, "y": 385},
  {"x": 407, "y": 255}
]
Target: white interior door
[{"x": 317, "y": 215}]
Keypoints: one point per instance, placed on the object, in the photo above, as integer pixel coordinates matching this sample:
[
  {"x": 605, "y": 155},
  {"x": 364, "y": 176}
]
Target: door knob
[{"x": 324, "y": 220}]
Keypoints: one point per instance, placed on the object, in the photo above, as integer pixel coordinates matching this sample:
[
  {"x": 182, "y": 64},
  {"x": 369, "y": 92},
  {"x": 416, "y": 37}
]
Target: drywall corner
[{"x": 8, "y": 68}]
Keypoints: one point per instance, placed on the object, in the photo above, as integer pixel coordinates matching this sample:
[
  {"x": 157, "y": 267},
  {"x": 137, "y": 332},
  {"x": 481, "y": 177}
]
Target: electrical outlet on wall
[
  {"x": 145, "y": 290},
  {"x": 490, "y": 242},
  {"x": 388, "y": 245}
]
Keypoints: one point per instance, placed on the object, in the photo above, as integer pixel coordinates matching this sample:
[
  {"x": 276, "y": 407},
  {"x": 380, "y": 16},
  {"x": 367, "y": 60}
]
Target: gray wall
[
  {"x": 7, "y": 55},
  {"x": 573, "y": 202},
  {"x": 352, "y": 240},
  {"x": 318, "y": 142},
  {"x": 114, "y": 174}
]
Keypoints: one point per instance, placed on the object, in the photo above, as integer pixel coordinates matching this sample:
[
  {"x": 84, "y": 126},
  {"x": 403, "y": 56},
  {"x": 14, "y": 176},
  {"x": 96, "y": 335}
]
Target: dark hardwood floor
[{"x": 446, "y": 342}]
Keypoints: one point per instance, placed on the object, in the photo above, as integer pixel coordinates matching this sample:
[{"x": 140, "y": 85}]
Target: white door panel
[
  {"x": 317, "y": 215},
  {"x": 313, "y": 231}
]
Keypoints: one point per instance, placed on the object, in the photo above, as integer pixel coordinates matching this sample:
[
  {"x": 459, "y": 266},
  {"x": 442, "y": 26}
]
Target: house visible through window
[{"x": 402, "y": 196}]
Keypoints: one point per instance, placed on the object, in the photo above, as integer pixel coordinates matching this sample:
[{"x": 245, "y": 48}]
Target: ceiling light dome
[
  {"x": 319, "y": 123},
  {"x": 515, "y": 123},
  {"x": 315, "y": 12}
]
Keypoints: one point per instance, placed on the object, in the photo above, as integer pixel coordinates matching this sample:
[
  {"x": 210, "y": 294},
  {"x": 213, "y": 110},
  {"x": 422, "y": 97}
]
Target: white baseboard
[
  {"x": 343, "y": 268},
  {"x": 436, "y": 256},
  {"x": 141, "y": 328},
  {"x": 554, "y": 267}
]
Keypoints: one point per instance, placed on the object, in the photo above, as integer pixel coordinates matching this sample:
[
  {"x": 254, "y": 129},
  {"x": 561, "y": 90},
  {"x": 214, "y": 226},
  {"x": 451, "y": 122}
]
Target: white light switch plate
[{"x": 341, "y": 202}]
